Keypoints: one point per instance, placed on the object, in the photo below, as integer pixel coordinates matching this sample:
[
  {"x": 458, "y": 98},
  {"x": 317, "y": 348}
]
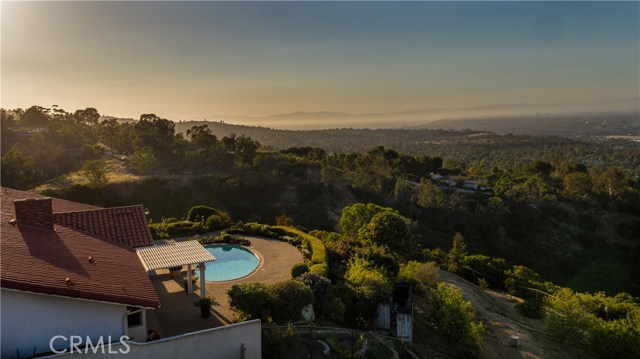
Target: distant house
[{"x": 70, "y": 269}]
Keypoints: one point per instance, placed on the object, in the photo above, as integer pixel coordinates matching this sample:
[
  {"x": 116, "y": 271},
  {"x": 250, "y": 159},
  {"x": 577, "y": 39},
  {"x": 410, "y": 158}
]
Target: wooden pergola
[{"x": 177, "y": 254}]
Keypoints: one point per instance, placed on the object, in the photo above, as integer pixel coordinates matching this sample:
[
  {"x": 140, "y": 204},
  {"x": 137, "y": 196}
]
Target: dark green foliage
[
  {"x": 357, "y": 216},
  {"x": 198, "y": 213},
  {"x": 333, "y": 309},
  {"x": 531, "y": 308},
  {"x": 96, "y": 173},
  {"x": 250, "y": 300},
  {"x": 319, "y": 269},
  {"x": 321, "y": 287},
  {"x": 184, "y": 229},
  {"x": 454, "y": 316},
  {"x": 299, "y": 269},
  {"x": 609, "y": 326},
  {"x": 287, "y": 299},
  {"x": 224, "y": 237},
  {"x": 214, "y": 222},
  {"x": 19, "y": 169},
  {"x": 388, "y": 229},
  {"x": 380, "y": 257},
  {"x": 257, "y": 229},
  {"x": 492, "y": 268},
  {"x": 318, "y": 250}
]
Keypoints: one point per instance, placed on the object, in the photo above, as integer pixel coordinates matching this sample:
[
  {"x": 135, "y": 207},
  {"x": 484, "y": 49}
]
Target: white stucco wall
[
  {"x": 223, "y": 342},
  {"x": 30, "y": 320},
  {"x": 139, "y": 333}
]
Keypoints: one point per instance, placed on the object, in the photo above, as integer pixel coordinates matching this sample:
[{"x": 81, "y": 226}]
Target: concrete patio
[{"x": 177, "y": 314}]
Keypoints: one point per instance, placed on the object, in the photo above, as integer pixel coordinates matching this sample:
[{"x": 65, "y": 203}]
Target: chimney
[{"x": 34, "y": 212}]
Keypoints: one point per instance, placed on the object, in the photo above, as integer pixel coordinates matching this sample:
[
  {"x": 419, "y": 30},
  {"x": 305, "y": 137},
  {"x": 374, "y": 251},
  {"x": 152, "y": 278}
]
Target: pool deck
[{"x": 177, "y": 314}]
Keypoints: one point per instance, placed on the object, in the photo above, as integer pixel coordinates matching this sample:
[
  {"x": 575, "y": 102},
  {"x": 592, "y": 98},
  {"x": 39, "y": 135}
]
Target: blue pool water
[{"x": 232, "y": 262}]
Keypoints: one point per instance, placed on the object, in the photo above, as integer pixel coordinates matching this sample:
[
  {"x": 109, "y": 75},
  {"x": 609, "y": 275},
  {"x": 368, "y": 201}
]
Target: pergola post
[
  {"x": 189, "y": 279},
  {"x": 203, "y": 291}
]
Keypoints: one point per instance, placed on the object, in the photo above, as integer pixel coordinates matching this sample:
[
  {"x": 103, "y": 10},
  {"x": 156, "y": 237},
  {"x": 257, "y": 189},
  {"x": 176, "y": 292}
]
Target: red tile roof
[
  {"x": 126, "y": 225},
  {"x": 40, "y": 260}
]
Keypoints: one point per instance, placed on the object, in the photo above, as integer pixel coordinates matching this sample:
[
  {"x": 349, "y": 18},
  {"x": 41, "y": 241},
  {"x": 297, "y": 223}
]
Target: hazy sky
[{"x": 193, "y": 60}]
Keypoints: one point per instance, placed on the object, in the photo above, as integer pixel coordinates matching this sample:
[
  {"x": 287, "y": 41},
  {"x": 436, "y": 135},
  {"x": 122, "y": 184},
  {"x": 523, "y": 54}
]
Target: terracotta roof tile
[
  {"x": 126, "y": 225},
  {"x": 40, "y": 260}
]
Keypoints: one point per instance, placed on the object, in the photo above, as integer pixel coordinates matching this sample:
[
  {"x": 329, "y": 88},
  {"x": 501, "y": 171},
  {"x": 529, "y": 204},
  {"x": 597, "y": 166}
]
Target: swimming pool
[{"x": 232, "y": 262}]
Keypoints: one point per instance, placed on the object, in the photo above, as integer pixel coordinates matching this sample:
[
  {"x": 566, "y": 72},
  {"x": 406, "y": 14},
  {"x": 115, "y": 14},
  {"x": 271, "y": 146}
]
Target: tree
[
  {"x": 250, "y": 299},
  {"x": 89, "y": 116},
  {"x": 429, "y": 195},
  {"x": 358, "y": 215},
  {"x": 18, "y": 169},
  {"x": 457, "y": 253},
  {"x": 454, "y": 316},
  {"x": 369, "y": 283},
  {"x": 143, "y": 158},
  {"x": 96, "y": 173},
  {"x": 155, "y": 132},
  {"x": 35, "y": 116},
  {"x": 387, "y": 228},
  {"x": 245, "y": 149},
  {"x": 284, "y": 220},
  {"x": 576, "y": 184},
  {"x": 201, "y": 136},
  {"x": 287, "y": 299},
  {"x": 613, "y": 182}
]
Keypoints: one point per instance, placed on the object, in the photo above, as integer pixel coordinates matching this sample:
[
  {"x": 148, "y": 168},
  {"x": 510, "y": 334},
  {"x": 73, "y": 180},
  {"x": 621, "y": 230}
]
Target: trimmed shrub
[
  {"x": 318, "y": 250},
  {"x": 214, "y": 222},
  {"x": 288, "y": 298},
  {"x": 249, "y": 299},
  {"x": 184, "y": 229},
  {"x": 299, "y": 269},
  {"x": 224, "y": 237},
  {"x": 197, "y": 213},
  {"x": 319, "y": 269}
]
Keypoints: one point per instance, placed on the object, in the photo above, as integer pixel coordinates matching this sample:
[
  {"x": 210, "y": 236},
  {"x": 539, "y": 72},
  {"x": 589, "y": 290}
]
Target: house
[
  {"x": 74, "y": 276},
  {"x": 70, "y": 269}
]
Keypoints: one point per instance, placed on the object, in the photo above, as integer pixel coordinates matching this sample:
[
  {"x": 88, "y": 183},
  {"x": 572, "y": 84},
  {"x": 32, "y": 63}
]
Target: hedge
[
  {"x": 257, "y": 229},
  {"x": 184, "y": 229},
  {"x": 198, "y": 213},
  {"x": 318, "y": 250},
  {"x": 224, "y": 238}
]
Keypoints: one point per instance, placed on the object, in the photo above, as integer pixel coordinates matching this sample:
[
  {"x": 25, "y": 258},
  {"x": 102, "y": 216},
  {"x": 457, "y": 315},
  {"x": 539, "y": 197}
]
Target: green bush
[
  {"x": 321, "y": 287},
  {"x": 454, "y": 316},
  {"x": 319, "y": 269},
  {"x": 256, "y": 229},
  {"x": 287, "y": 300},
  {"x": 214, "y": 222},
  {"x": 249, "y": 299},
  {"x": 370, "y": 284},
  {"x": 184, "y": 229},
  {"x": 531, "y": 308},
  {"x": 224, "y": 237},
  {"x": 299, "y": 269},
  {"x": 333, "y": 309},
  {"x": 318, "y": 250},
  {"x": 197, "y": 213}
]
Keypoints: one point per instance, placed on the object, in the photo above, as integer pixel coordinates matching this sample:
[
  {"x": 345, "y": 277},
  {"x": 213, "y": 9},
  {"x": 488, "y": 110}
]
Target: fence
[{"x": 311, "y": 341}]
